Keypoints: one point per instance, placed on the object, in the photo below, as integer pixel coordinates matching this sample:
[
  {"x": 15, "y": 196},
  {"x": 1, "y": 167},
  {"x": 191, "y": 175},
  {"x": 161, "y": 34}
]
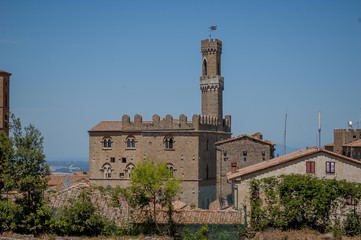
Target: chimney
[{"x": 233, "y": 166}]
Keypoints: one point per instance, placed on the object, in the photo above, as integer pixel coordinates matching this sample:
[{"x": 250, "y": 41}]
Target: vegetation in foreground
[{"x": 290, "y": 202}]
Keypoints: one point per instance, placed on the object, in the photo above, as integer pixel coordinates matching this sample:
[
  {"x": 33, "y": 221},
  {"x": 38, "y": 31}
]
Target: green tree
[
  {"x": 23, "y": 169},
  {"x": 6, "y": 164},
  {"x": 153, "y": 184},
  {"x": 31, "y": 171}
]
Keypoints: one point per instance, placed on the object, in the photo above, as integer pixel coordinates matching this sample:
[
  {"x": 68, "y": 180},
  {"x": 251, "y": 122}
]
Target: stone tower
[
  {"x": 212, "y": 83},
  {"x": 4, "y": 100}
]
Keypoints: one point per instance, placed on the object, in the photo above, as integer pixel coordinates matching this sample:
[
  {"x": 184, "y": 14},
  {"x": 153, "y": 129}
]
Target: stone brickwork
[
  {"x": 187, "y": 147},
  {"x": 344, "y": 136},
  {"x": 239, "y": 152},
  {"x": 211, "y": 81},
  {"x": 4, "y": 100}
]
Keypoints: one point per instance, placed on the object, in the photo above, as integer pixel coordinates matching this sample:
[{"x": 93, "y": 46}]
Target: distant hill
[{"x": 68, "y": 165}]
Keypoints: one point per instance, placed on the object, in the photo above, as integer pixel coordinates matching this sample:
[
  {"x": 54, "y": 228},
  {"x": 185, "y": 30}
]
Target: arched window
[
  {"x": 129, "y": 168},
  {"x": 171, "y": 169},
  {"x": 107, "y": 143},
  {"x": 107, "y": 170},
  {"x": 130, "y": 142},
  {"x": 168, "y": 143},
  {"x": 205, "y": 67}
]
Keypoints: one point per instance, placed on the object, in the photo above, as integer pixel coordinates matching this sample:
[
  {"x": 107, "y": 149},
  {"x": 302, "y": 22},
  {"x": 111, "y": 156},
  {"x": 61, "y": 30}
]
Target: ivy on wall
[{"x": 299, "y": 201}]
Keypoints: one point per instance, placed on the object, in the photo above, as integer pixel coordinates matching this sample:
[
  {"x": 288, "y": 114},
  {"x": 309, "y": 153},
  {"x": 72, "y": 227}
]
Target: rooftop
[{"x": 284, "y": 159}]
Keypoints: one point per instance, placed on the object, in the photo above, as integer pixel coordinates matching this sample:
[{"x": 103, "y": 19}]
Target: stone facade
[
  {"x": 187, "y": 147},
  {"x": 239, "y": 152},
  {"x": 325, "y": 164},
  {"x": 346, "y": 142},
  {"x": 4, "y": 100}
]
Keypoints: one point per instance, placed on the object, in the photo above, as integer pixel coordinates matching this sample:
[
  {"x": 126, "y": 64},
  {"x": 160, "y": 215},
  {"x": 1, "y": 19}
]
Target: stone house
[
  {"x": 239, "y": 152},
  {"x": 311, "y": 161},
  {"x": 342, "y": 139},
  {"x": 187, "y": 147},
  {"x": 352, "y": 149}
]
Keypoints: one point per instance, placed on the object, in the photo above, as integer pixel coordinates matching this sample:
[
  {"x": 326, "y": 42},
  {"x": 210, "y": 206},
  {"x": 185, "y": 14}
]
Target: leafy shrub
[
  {"x": 301, "y": 201},
  {"x": 352, "y": 225}
]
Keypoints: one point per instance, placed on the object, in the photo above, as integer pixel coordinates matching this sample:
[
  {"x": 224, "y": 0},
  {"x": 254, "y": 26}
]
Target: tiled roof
[
  {"x": 356, "y": 143},
  {"x": 107, "y": 126},
  {"x": 195, "y": 216},
  {"x": 4, "y": 73},
  {"x": 284, "y": 159},
  {"x": 58, "y": 180},
  {"x": 244, "y": 136},
  {"x": 329, "y": 145}
]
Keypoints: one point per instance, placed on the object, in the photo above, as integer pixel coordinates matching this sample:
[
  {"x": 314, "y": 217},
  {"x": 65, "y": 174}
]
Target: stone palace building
[{"x": 186, "y": 146}]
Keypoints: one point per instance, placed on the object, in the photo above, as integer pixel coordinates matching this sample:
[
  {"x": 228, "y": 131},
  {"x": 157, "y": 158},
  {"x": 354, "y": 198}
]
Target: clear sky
[{"x": 78, "y": 62}]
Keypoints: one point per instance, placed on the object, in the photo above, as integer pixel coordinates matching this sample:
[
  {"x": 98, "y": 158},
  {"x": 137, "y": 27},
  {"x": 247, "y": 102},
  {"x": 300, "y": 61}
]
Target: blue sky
[{"x": 76, "y": 63}]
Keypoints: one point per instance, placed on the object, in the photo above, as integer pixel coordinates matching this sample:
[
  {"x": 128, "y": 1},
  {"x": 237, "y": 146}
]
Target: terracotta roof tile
[
  {"x": 243, "y": 136},
  {"x": 5, "y": 73},
  {"x": 107, "y": 126},
  {"x": 195, "y": 216},
  {"x": 283, "y": 159},
  {"x": 356, "y": 143}
]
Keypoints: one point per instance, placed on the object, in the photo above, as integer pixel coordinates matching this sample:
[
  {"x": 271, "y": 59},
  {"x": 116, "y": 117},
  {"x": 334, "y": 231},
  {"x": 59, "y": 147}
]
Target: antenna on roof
[
  {"x": 349, "y": 124},
  {"x": 319, "y": 129},
  {"x": 211, "y": 29},
  {"x": 284, "y": 136}
]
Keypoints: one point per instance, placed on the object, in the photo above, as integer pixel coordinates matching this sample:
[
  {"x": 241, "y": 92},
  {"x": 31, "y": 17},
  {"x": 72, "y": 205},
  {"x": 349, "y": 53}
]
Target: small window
[
  {"x": 121, "y": 175},
  {"x": 107, "y": 143},
  {"x": 124, "y": 160},
  {"x": 244, "y": 156},
  {"x": 207, "y": 143},
  {"x": 112, "y": 159},
  {"x": 310, "y": 167},
  {"x": 330, "y": 167},
  {"x": 131, "y": 142},
  {"x": 168, "y": 143}
]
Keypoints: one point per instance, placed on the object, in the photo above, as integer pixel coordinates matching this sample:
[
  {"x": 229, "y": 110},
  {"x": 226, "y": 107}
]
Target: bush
[
  {"x": 352, "y": 225},
  {"x": 81, "y": 219},
  {"x": 8, "y": 213},
  {"x": 299, "y": 201}
]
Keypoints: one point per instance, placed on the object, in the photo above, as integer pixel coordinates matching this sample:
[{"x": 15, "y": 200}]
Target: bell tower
[
  {"x": 211, "y": 82},
  {"x": 4, "y": 101}
]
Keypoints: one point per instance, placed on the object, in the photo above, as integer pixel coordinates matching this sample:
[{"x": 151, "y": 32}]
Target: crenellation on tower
[{"x": 199, "y": 122}]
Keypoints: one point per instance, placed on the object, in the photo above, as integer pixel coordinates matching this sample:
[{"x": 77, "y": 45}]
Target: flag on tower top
[{"x": 213, "y": 28}]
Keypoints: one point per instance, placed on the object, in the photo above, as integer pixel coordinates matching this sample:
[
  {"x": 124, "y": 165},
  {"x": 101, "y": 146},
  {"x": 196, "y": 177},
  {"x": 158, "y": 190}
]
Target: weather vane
[{"x": 211, "y": 29}]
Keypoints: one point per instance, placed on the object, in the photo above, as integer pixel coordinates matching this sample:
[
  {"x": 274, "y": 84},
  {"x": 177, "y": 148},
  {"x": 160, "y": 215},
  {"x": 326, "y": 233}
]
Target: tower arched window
[
  {"x": 205, "y": 67},
  {"x": 131, "y": 142},
  {"x": 168, "y": 143},
  {"x": 107, "y": 143},
  {"x": 107, "y": 171}
]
